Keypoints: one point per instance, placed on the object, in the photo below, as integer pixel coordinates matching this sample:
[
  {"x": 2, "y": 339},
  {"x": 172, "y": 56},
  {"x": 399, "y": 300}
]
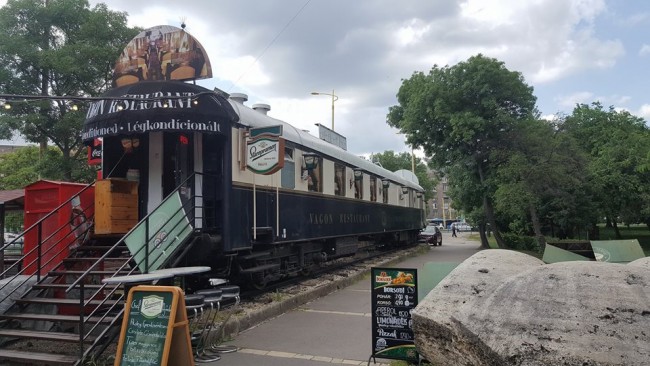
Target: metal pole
[
  {"x": 412, "y": 160},
  {"x": 39, "y": 253},
  {"x": 444, "y": 221},
  {"x": 333, "y": 100}
]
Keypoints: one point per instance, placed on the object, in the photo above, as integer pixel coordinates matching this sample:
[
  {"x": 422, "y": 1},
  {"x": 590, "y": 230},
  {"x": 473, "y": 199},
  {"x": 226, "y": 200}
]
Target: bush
[{"x": 521, "y": 242}]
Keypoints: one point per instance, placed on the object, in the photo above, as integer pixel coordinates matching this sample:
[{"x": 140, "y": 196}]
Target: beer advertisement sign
[{"x": 265, "y": 150}]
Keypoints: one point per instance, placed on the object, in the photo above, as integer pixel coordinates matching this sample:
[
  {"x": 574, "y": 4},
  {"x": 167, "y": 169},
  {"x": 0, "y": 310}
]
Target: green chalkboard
[
  {"x": 394, "y": 294},
  {"x": 145, "y": 334}
]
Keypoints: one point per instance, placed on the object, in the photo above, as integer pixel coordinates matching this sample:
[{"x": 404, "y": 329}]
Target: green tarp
[
  {"x": 617, "y": 251},
  {"x": 613, "y": 251},
  {"x": 553, "y": 254}
]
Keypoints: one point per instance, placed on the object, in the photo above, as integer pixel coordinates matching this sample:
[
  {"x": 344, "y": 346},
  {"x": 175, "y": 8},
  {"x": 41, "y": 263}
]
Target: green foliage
[
  {"x": 393, "y": 162},
  {"x": 14, "y": 221},
  {"x": 521, "y": 242},
  {"x": 478, "y": 125},
  {"x": 618, "y": 146},
  {"x": 56, "y": 48},
  {"x": 462, "y": 112},
  {"x": 465, "y": 117},
  {"x": 27, "y": 165},
  {"x": 543, "y": 179}
]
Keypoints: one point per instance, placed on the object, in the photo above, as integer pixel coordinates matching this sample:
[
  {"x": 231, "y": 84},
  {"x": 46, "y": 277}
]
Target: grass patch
[{"x": 491, "y": 241}]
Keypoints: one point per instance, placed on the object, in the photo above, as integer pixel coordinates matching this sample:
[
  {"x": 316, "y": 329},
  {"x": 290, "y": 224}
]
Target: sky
[{"x": 279, "y": 51}]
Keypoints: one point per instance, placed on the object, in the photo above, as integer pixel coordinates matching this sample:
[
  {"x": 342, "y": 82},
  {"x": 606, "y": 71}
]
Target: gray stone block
[{"x": 505, "y": 308}]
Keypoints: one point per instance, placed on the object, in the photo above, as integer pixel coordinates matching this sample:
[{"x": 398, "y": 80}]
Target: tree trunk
[
  {"x": 484, "y": 238},
  {"x": 537, "y": 228},
  {"x": 594, "y": 233},
  {"x": 67, "y": 174},
  {"x": 608, "y": 222},
  {"x": 616, "y": 230},
  {"x": 489, "y": 215},
  {"x": 489, "y": 211}
]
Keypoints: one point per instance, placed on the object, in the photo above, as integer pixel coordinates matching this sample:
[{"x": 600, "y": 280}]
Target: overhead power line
[{"x": 270, "y": 44}]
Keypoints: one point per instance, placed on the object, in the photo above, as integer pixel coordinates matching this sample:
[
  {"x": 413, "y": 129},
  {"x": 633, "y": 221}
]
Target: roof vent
[
  {"x": 239, "y": 97},
  {"x": 262, "y": 108}
]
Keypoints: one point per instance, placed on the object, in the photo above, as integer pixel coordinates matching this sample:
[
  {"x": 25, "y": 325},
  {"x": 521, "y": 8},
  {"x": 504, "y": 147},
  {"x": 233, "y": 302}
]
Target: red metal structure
[{"x": 57, "y": 233}]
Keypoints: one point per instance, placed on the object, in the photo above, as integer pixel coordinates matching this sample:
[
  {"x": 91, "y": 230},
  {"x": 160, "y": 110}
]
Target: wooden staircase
[{"x": 70, "y": 321}]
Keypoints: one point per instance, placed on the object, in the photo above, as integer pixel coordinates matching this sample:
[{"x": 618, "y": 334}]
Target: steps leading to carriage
[
  {"x": 55, "y": 318},
  {"x": 47, "y": 314},
  {"x": 39, "y": 358},
  {"x": 58, "y": 336}
]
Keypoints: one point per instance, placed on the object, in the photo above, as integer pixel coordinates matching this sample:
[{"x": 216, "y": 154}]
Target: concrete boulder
[
  {"x": 641, "y": 262},
  {"x": 501, "y": 308}
]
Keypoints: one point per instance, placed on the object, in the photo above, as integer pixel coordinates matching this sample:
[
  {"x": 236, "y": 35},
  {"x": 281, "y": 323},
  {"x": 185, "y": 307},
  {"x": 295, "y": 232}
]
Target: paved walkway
[{"x": 334, "y": 329}]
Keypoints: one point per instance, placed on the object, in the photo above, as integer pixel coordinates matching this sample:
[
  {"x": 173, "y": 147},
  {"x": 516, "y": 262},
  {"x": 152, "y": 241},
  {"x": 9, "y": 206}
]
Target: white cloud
[
  {"x": 569, "y": 101},
  {"x": 549, "y": 117},
  {"x": 645, "y": 49},
  {"x": 363, "y": 49},
  {"x": 637, "y": 18},
  {"x": 411, "y": 33},
  {"x": 644, "y": 112}
]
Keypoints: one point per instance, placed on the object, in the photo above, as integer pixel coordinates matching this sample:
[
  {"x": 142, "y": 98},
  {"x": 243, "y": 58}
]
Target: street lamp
[{"x": 334, "y": 99}]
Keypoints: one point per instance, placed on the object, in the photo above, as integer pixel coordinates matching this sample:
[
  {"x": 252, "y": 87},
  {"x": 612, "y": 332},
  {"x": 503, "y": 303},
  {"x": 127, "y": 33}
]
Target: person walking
[{"x": 453, "y": 231}]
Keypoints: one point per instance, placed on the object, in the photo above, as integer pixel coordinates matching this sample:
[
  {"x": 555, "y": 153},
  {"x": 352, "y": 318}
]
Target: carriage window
[
  {"x": 288, "y": 172},
  {"x": 384, "y": 189},
  {"x": 339, "y": 179},
  {"x": 314, "y": 182},
  {"x": 358, "y": 184},
  {"x": 373, "y": 189}
]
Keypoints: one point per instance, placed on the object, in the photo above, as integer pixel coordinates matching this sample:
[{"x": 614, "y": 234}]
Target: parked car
[
  {"x": 431, "y": 235},
  {"x": 436, "y": 222},
  {"x": 14, "y": 244},
  {"x": 10, "y": 236},
  {"x": 462, "y": 226}
]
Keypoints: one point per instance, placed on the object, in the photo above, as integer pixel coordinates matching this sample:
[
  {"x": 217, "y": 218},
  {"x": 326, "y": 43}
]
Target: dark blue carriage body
[{"x": 305, "y": 216}]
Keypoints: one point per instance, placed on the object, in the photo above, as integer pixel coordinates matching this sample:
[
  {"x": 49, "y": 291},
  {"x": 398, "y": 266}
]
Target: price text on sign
[{"x": 394, "y": 295}]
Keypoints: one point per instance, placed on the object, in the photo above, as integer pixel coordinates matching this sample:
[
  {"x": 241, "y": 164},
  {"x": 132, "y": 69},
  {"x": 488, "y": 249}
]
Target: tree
[
  {"x": 542, "y": 178},
  {"x": 393, "y": 162},
  {"x": 462, "y": 116},
  {"x": 27, "y": 164},
  {"x": 56, "y": 48},
  {"x": 618, "y": 144}
]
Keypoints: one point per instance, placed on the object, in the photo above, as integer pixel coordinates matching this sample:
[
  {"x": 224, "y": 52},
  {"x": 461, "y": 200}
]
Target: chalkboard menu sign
[
  {"x": 154, "y": 328},
  {"x": 394, "y": 295}
]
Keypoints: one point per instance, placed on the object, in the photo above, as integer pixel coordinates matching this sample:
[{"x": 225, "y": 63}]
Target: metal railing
[
  {"x": 100, "y": 312},
  {"x": 50, "y": 250},
  {"x": 47, "y": 249}
]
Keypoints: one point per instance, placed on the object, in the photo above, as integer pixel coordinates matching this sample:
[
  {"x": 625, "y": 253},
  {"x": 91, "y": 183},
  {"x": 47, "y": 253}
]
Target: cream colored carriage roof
[{"x": 251, "y": 118}]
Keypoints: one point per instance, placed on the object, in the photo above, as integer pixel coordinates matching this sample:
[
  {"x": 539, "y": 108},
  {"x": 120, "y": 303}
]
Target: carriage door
[
  {"x": 213, "y": 181},
  {"x": 178, "y": 163}
]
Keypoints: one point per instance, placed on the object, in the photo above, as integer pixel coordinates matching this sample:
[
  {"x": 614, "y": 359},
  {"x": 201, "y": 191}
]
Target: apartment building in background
[{"x": 440, "y": 206}]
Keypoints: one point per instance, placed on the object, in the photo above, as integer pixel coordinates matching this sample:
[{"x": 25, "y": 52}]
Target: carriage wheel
[
  {"x": 306, "y": 270},
  {"x": 258, "y": 281}
]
